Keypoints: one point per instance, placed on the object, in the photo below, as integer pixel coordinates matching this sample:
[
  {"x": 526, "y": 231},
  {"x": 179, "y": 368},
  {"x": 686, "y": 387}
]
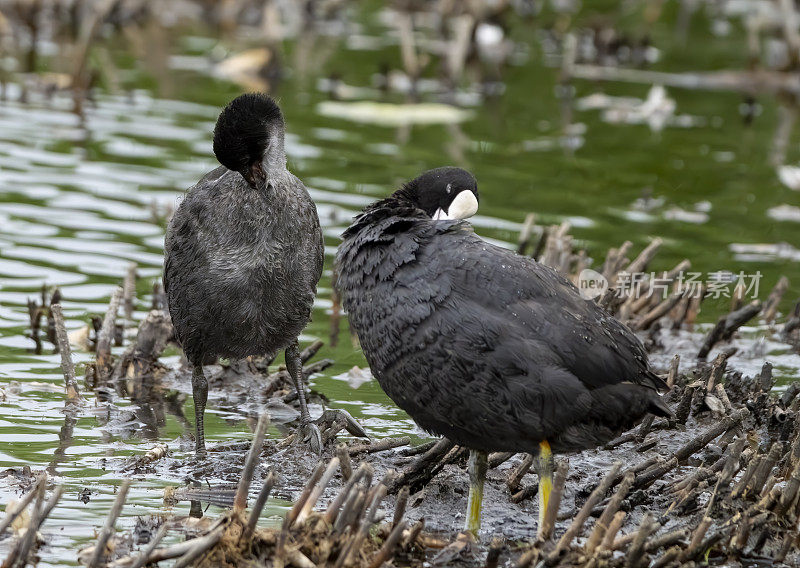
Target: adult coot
[
  {"x": 243, "y": 254},
  {"x": 488, "y": 348}
]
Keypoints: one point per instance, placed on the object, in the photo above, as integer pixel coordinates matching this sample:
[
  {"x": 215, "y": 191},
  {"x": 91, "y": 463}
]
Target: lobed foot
[
  {"x": 309, "y": 434},
  {"x": 333, "y": 417}
]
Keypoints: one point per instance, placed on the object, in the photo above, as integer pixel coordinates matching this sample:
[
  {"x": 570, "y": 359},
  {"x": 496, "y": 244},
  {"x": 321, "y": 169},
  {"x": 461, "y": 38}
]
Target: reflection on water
[{"x": 83, "y": 197}]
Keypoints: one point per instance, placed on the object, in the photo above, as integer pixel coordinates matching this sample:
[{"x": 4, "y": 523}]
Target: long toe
[
  {"x": 310, "y": 434},
  {"x": 332, "y": 416}
]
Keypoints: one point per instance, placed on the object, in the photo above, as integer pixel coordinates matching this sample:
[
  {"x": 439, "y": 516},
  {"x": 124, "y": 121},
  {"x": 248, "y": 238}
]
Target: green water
[{"x": 75, "y": 199}]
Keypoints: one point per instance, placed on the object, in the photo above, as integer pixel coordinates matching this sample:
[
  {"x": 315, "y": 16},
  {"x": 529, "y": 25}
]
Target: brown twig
[
  {"x": 240, "y": 501},
  {"x": 324, "y": 480},
  {"x": 301, "y": 501},
  {"x": 108, "y": 528},
  {"x": 12, "y": 513},
  {"x": 727, "y": 325},
  {"x": 580, "y": 519},
  {"x": 67, "y": 366},
  {"x": 379, "y": 446},
  {"x": 609, "y": 513},
  {"x": 261, "y": 500},
  {"x": 387, "y": 550},
  {"x": 200, "y": 546},
  {"x": 106, "y": 337},
  {"x": 634, "y": 556},
  {"x": 344, "y": 461}
]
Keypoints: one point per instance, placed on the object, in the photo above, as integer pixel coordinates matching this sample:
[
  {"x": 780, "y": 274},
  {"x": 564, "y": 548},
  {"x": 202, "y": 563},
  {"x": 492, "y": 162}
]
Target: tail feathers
[
  {"x": 650, "y": 379},
  {"x": 659, "y": 407},
  {"x": 611, "y": 410},
  {"x": 657, "y": 404}
]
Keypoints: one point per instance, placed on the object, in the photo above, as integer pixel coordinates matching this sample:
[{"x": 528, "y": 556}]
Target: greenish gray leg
[
  {"x": 478, "y": 464},
  {"x": 200, "y": 396},
  {"x": 308, "y": 430}
]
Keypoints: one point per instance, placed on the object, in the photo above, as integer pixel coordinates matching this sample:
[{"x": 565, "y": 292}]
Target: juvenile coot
[
  {"x": 243, "y": 254},
  {"x": 488, "y": 348}
]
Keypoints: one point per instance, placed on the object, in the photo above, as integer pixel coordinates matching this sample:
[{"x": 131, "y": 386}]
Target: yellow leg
[
  {"x": 545, "y": 470},
  {"x": 478, "y": 464}
]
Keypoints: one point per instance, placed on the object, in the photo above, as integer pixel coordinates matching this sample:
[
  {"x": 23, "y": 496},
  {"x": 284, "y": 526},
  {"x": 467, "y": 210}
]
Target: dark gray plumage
[
  {"x": 243, "y": 252},
  {"x": 488, "y": 348}
]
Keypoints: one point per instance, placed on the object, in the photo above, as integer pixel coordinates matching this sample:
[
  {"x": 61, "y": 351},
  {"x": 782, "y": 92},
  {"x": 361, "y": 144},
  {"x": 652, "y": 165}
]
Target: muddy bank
[{"x": 720, "y": 482}]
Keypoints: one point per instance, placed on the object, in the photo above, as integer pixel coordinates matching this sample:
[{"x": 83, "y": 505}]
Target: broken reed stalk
[
  {"x": 497, "y": 458},
  {"x": 609, "y": 514},
  {"x": 611, "y": 532},
  {"x": 18, "y": 557},
  {"x": 790, "y": 493},
  {"x": 516, "y": 474},
  {"x": 261, "y": 501},
  {"x": 634, "y": 556},
  {"x": 369, "y": 519},
  {"x": 67, "y": 366},
  {"x": 524, "y": 240},
  {"x": 106, "y": 337},
  {"x": 301, "y": 501},
  {"x": 81, "y": 77},
  {"x": 695, "y": 547},
  {"x": 129, "y": 291},
  {"x": 11, "y": 513},
  {"x": 154, "y": 454},
  {"x": 775, "y": 297},
  {"x": 177, "y": 550},
  {"x": 702, "y": 440},
  {"x": 580, "y": 519},
  {"x": 364, "y": 471},
  {"x": 344, "y": 461},
  {"x": 108, "y": 528},
  {"x": 387, "y": 550},
  {"x": 35, "y": 313},
  {"x": 659, "y": 311},
  {"x": 421, "y": 470},
  {"x": 379, "y": 446},
  {"x": 668, "y": 558},
  {"x": 727, "y": 325},
  {"x": 200, "y": 546},
  {"x": 644, "y": 427},
  {"x": 316, "y": 492},
  {"x": 641, "y": 262},
  {"x": 280, "y": 545},
  {"x": 58, "y": 491},
  {"x": 667, "y": 539},
  {"x": 762, "y": 473},
  {"x": 400, "y": 504},
  {"x": 240, "y": 501},
  {"x": 632, "y": 435},
  {"x": 55, "y": 298},
  {"x": 420, "y": 449},
  {"x": 525, "y": 493},
  {"x": 696, "y": 444}
]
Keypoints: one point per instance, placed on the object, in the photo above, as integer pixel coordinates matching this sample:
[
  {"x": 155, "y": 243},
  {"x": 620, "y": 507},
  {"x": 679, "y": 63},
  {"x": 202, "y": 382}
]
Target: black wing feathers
[{"x": 484, "y": 346}]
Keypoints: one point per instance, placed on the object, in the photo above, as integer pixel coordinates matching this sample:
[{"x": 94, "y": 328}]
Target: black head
[
  {"x": 443, "y": 193},
  {"x": 245, "y": 128}
]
